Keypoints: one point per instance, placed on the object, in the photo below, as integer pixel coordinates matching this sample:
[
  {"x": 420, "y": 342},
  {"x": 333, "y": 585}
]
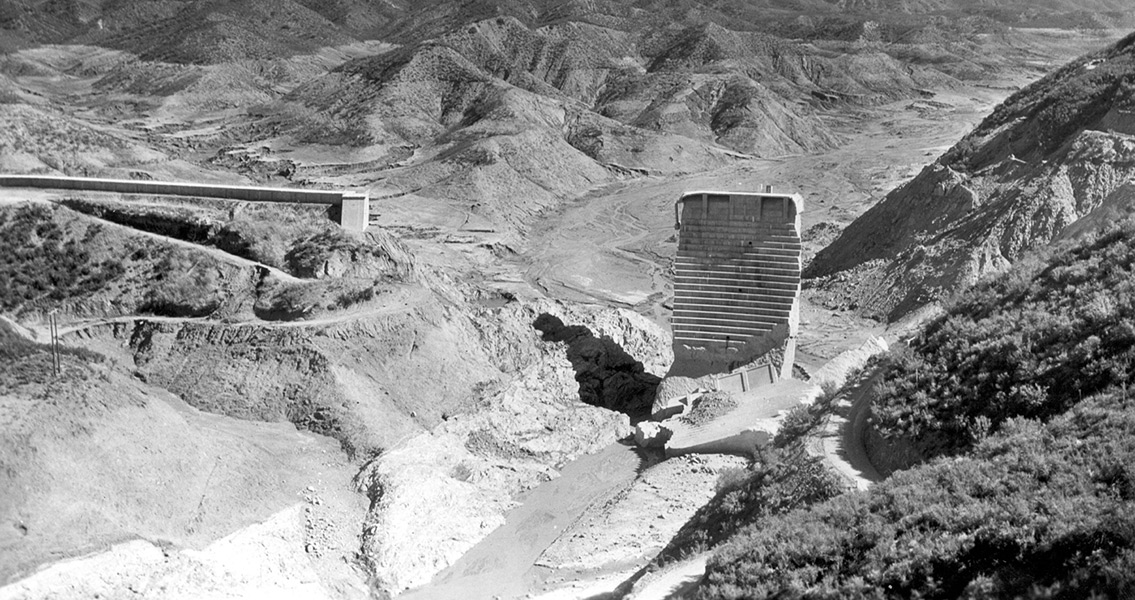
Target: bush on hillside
[
  {"x": 783, "y": 481},
  {"x": 1025, "y": 380},
  {"x": 39, "y": 261},
  {"x": 1028, "y": 344},
  {"x": 1037, "y": 511}
]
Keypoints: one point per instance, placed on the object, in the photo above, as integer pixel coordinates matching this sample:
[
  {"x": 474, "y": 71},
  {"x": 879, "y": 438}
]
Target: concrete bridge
[{"x": 354, "y": 207}]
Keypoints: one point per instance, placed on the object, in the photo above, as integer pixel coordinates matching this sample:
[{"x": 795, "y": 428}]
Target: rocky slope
[
  {"x": 1047, "y": 157},
  {"x": 435, "y": 400}
]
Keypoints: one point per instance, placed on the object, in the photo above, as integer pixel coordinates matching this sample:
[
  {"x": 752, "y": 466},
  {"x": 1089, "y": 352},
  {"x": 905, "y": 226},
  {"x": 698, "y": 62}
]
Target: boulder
[{"x": 649, "y": 434}]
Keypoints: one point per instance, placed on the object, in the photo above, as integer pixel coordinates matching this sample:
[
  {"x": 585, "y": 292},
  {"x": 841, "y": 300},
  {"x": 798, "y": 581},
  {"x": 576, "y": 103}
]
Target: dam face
[{"x": 736, "y": 282}]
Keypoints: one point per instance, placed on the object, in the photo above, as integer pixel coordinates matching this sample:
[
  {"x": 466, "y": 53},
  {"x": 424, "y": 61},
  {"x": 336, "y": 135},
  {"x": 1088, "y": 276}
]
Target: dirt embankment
[
  {"x": 93, "y": 457},
  {"x": 470, "y": 404}
]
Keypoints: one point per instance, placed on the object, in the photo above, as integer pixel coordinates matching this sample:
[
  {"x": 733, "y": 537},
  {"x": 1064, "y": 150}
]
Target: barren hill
[
  {"x": 386, "y": 398},
  {"x": 1045, "y": 158}
]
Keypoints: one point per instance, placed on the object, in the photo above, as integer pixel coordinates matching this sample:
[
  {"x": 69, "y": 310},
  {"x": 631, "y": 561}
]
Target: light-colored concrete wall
[
  {"x": 354, "y": 217},
  {"x": 355, "y": 212},
  {"x": 737, "y": 280}
]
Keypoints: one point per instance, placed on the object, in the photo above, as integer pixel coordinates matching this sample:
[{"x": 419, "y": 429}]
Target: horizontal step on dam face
[
  {"x": 742, "y": 247},
  {"x": 752, "y": 314},
  {"x": 772, "y": 288},
  {"x": 736, "y": 254},
  {"x": 733, "y": 281},
  {"x": 746, "y": 259},
  {"x": 723, "y": 236},
  {"x": 718, "y": 293},
  {"x": 749, "y": 315},
  {"x": 701, "y": 231},
  {"x": 687, "y": 324},
  {"x": 733, "y": 268},
  {"x": 729, "y": 318},
  {"x": 698, "y": 276},
  {"x": 710, "y": 290},
  {"x": 734, "y": 224},
  {"x": 765, "y": 311},
  {"x": 757, "y": 282},
  {"x": 741, "y": 240},
  {"x": 684, "y": 301},
  {"x": 733, "y": 334},
  {"x": 738, "y": 227},
  {"x": 706, "y": 340},
  {"x": 785, "y": 263},
  {"x": 730, "y": 307}
]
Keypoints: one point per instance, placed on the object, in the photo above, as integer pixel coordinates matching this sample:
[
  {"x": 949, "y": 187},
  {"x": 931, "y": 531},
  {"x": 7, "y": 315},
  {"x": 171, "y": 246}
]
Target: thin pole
[{"x": 54, "y": 345}]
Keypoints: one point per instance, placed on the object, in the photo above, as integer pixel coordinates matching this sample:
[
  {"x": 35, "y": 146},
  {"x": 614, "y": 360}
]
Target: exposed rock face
[
  {"x": 1046, "y": 157},
  {"x": 442, "y": 491},
  {"x": 1116, "y": 207}
]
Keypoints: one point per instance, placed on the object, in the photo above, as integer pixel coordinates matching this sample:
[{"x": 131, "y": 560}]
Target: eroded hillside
[
  {"x": 358, "y": 415},
  {"x": 1045, "y": 158}
]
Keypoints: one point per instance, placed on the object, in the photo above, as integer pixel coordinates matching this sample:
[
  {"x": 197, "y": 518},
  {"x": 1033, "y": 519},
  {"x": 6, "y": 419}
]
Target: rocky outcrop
[
  {"x": 440, "y": 492},
  {"x": 1119, "y": 205},
  {"x": 1046, "y": 157}
]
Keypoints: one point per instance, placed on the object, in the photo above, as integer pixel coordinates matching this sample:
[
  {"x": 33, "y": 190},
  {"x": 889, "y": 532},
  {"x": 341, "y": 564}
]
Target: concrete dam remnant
[
  {"x": 735, "y": 321},
  {"x": 736, "y": 284},
  {"x": 354, "y": 207}
]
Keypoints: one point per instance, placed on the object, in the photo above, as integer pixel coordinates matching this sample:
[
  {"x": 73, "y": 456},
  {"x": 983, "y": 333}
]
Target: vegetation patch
[
  {"x": 784, "y": 480},
  {"x": 298, "y": 239},
  {"x": 40, "y": 261},
  {"x": 1037, "y": 511},
  {"x": 24, "y": 362},
  {"x": 1024, "y": 382},
  {"x": 1029, "y": 344}
]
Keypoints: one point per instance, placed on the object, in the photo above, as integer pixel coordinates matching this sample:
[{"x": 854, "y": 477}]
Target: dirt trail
[
  {"x": 841, "y": 446},
  {"x": 847, "y": 453},
  {"x": 405, "y": 298},
  {"x": 503, "y": 564},
  {"x": 675, "y": 581}
]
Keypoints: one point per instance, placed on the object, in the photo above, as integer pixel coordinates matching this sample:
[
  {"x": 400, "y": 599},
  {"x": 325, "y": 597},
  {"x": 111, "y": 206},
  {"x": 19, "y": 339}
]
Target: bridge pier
[{"x": 355, "y": 212}]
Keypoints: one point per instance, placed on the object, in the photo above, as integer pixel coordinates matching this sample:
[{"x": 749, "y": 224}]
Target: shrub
[
  {"x": 1028, "y": 344},
  {"x": 40, "y": 261},
  {"x": 786, "y": 480},
  {"x": 1024, "y": 379},
  {"x": 1037, "y": 511}
]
